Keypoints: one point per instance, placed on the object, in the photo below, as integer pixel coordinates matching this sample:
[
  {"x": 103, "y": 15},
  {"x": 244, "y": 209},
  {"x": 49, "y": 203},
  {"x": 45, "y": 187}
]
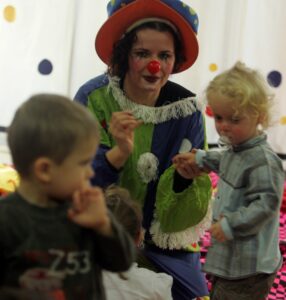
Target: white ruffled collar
[{"x": 153, "y": 115}]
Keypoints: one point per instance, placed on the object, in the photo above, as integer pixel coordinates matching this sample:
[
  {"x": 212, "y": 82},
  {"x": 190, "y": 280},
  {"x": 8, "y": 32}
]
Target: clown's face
[{"x": 144, "y": 79}]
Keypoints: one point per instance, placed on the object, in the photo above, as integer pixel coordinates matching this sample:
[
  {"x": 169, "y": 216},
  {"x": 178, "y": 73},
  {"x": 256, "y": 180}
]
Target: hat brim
[{"x": 116, "y": 25}]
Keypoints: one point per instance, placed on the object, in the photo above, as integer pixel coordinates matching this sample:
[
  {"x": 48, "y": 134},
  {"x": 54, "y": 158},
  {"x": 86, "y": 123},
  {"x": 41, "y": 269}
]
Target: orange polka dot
[
  {"x": 213, "y": 67},
  {"x": 283, "y": 120},
  {"x": 9, "y": 13}
]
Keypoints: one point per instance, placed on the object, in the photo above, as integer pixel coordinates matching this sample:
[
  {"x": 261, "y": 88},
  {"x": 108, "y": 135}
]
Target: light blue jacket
[{"x": 248, "y": 200}]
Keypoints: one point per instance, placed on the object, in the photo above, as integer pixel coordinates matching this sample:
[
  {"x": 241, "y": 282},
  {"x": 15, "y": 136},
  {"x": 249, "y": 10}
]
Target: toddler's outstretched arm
[{"x": 185, "y": 164}]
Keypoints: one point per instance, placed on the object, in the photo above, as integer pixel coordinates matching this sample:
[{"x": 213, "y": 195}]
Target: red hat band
[{"x": 124, "y": 13}]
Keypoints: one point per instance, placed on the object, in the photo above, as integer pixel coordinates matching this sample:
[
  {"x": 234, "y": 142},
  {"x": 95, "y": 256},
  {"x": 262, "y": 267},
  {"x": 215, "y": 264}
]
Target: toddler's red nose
[{"x": 154, "y": 67}]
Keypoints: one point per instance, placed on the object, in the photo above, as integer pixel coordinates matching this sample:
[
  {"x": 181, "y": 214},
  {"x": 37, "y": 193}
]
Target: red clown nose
[{"x": 154, "y": 67}]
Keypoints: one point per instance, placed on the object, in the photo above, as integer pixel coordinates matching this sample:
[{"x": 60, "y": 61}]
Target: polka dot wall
[
  {"x": 36, "y": 54},
  {"x": 57, "y": 59},
  {"x": 45, "y": 66}
]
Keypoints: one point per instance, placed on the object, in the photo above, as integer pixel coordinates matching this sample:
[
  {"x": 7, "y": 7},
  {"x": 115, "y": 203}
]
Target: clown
[{"x": 145, "y": 121}]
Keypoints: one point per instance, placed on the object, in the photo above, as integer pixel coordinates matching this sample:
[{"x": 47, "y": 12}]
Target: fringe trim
[
  {"x": 180, "y": 239},
  {"x": 153, "y": 115}
]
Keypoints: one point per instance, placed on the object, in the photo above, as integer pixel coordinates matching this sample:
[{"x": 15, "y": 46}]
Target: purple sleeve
[{"x": 108, "y": 174}]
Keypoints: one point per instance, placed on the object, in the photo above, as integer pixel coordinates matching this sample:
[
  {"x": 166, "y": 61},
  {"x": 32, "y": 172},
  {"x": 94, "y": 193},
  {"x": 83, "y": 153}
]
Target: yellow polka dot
[
  {"x": 283, "y": 120},
  {"x": 213, "y": 67},
  {"x": 9, "y": 13}
]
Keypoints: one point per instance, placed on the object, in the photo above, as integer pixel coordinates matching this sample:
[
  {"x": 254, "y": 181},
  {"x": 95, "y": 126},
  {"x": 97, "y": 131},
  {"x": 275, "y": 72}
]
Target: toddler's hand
[
  {"x": 217, "y": 232},
  {"x": 185, "y": 164}
]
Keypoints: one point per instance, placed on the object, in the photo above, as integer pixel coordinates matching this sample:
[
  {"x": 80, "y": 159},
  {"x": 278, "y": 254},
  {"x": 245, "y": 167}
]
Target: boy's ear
[{"x": 43, "y": 169}]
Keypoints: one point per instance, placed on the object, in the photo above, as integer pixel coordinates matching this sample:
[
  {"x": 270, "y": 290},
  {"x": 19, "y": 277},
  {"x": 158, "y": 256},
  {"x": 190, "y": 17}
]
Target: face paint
[{"x": 142, "y": 78}]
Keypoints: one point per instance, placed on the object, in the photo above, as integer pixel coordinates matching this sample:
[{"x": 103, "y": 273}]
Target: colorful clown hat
[{"x": 124, "y": 13}]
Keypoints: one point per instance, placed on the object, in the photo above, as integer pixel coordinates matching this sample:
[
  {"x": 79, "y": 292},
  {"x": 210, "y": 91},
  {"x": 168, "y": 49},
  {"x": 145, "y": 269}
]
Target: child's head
[
  {"x": 51, "y": 138},
  {"x": 240, "y": 101},
  {"x": 125, "y": 210}
]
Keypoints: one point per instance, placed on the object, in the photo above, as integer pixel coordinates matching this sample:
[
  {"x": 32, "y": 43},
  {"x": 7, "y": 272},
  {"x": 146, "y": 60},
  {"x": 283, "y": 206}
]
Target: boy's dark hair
[
  {"x": 48, "y": 125},
  {"x": 126, "y": 211},
  {"x": 121, "y": 50}
]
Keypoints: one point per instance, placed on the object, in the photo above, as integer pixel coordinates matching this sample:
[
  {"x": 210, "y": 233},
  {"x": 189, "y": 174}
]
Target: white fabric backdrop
[{"x": 48, "y": 46}]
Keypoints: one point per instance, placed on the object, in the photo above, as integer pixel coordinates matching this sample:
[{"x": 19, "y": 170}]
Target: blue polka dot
[
  {"x": 274, "y": 78},
  {"x": 45, "y": 67}
]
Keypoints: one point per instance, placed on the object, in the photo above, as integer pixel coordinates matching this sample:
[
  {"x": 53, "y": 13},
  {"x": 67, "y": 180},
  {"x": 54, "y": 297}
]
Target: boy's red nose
[{"x": 154, "y": 67}]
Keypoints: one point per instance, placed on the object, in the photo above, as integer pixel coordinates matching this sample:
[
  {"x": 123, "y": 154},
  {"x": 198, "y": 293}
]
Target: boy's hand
[
  {"x": 89, "y": 210},
  {"x": 217, "y": 232}
]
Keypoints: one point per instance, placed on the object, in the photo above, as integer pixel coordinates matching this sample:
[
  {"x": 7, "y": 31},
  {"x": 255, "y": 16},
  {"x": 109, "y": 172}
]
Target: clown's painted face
[{"x": 151, "y": 61}]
